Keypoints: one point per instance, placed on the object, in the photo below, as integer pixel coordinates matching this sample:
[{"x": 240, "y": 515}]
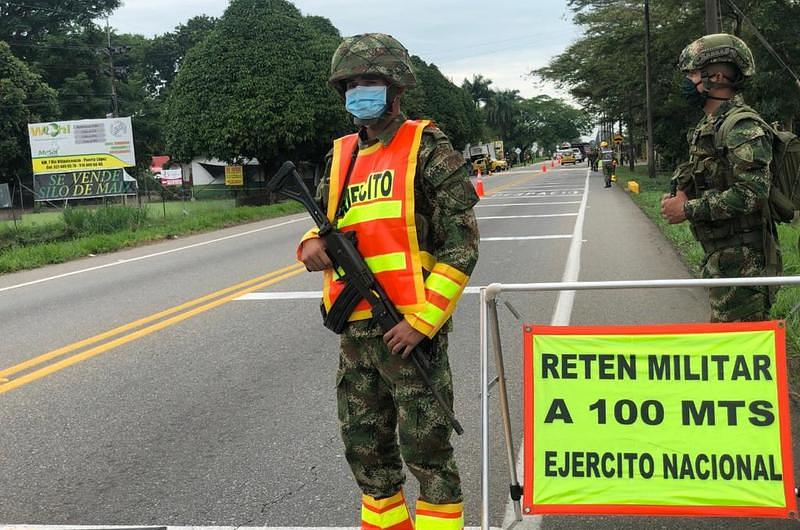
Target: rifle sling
[{"x": 338, "y": 211}]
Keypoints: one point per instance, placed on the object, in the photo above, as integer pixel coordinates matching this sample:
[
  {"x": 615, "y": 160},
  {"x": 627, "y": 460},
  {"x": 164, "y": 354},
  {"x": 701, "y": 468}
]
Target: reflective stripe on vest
[
  {"x": 443, "y": 288},
  {"x": 378, "y": 206}
]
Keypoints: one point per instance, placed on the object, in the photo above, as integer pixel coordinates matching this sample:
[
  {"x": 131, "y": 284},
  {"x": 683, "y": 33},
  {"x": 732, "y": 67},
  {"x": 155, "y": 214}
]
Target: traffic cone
[
  {"x": 479, "y": 185},
  {"x": 552, "y": 163},
  {"x": 544, "y": 168}
]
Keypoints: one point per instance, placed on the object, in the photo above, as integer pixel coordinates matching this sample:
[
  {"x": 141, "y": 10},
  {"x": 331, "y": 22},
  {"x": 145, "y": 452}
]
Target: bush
[{"x": 104, "y": 220}]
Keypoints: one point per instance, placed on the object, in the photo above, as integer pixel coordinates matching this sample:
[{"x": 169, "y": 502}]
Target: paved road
[{"x": 191, "y": 383}]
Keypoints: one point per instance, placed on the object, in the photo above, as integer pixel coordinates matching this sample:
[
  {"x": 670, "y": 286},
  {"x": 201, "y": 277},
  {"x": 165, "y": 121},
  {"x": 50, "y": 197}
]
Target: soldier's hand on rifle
[
  {"x": 402, "y": 338},
  {"x": 672, "y": 207},
  {"x": 313, "y": 255}
]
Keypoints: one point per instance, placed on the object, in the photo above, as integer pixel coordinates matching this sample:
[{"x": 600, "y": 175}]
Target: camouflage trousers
[
  {"x": 608, "y": 170},
  {"x": 738, "y": 304},
  {"x": 385, "y": 412}
]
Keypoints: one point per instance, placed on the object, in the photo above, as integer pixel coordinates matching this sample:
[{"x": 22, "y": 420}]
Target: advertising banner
[
  {"x": 234, "y": 176},
  {"x": 5, "y": 196},
  {"x": 83, "y": 185},
  {"x": 684, "y": 420},
  {"x": 81, "y": 145},
  {"x": 171, "y": 177}
]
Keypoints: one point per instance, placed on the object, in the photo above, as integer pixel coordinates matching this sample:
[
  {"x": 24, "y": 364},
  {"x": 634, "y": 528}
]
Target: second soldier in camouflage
[{"x": 724, "y": 188}]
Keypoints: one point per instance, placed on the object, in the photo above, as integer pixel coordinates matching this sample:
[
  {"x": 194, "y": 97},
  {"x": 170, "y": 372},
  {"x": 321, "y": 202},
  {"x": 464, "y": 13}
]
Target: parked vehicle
[
  {"x": 492, "y": 151},
  {"x": 494, "y": 165},
  {"x": 567, "y": 156}
]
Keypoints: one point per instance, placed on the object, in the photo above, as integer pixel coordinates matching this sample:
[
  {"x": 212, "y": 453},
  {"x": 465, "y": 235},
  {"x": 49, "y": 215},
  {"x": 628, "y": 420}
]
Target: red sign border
[{"x": 778, "y": 326}]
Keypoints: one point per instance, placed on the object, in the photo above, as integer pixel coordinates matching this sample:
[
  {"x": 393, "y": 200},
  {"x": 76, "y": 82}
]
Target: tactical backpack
[{"x": 784, "y": 195}]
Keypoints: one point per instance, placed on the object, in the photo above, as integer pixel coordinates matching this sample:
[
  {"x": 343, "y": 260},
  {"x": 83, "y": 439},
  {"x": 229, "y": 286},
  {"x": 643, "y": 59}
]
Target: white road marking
[
  {"x": 525, "y": 238},
  {"x": 156, "y": 527},
  {"x": 561, "y": 317},
  {"x": 524, "y": 204},
  {"x": 156, "y": 254},
  {"x": 528, "y": 216},
  {"x": 541, "y": 190},
  {"x": 572, "y": 268},
  {"x": 316, "y": 295},
  {"x": 535, "y": 193}
]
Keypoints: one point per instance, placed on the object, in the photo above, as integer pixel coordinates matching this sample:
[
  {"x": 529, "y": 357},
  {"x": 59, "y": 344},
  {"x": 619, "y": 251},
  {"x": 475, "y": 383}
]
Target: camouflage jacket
[
  {"x": 729, "y": 184},
  {"x": 444, "y": 197}
]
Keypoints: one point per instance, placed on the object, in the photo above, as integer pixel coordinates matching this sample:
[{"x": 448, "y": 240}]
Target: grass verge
[
  {"x": 787, "y": 305},
  {"x": 80, "y": 232}
]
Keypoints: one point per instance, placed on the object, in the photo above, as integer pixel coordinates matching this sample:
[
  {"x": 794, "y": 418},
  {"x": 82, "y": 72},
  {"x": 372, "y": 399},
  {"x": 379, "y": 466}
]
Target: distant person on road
[
  {"x": 593, "y": 159},
  {"x": 723, "y": 190},
  {"x": 608, "y": 161},
  {"x": 408, "y": 198}
]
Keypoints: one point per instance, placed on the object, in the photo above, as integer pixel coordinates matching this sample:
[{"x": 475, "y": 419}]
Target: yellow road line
[
  {"x": 513, "y": 183},
  {"x": 240, "y": 289}
]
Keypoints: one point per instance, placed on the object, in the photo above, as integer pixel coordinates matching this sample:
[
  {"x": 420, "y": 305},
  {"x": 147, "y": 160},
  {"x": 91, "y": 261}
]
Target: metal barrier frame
[{"x": 488, "y": 318}]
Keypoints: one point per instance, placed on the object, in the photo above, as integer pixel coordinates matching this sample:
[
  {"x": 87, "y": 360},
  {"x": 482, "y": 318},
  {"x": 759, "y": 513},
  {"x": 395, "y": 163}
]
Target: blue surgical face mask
[{"x": 366, "y": 102}]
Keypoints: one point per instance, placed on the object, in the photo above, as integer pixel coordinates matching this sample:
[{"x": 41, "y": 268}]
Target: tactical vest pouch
[{"x": 784, "y": 195}]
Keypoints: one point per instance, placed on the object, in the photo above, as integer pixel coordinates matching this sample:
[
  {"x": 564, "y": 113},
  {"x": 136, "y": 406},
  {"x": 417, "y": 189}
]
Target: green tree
[
  {"x": 436, "y": 98},
  {"x": 478, "y": 89},
  {"x": 162, "y": 56},
  {"x": 548, "y": 121},
  {"x": 24, "y": 98},
  {"x": 604, "y": 69},
  {"x": 501, "y": 111},
  {"x": 256, "y": 87},
  {"x": 25, "y": 25}
]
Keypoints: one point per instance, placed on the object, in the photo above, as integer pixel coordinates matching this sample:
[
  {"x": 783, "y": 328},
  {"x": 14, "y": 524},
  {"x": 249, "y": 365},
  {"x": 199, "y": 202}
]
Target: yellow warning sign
[
  {"x": 234, "y": 176},
  {"x": 670, "y": 420}
]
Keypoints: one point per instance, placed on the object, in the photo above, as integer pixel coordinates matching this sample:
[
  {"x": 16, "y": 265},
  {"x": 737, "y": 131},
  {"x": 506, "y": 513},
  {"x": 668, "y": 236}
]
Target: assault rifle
[{"x": 360, "y": 282}]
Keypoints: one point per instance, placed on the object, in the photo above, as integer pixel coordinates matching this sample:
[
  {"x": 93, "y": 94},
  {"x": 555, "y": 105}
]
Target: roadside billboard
[
  {"x": 81, "y": 145},
  {"x": 83, "y": 185}
]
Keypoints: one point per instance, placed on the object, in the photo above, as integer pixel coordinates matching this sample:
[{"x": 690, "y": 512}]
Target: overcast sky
[{"x": 501, "y": 39}]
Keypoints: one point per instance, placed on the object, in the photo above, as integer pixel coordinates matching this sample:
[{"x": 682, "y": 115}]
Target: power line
[{"x": 764, "y": 42}]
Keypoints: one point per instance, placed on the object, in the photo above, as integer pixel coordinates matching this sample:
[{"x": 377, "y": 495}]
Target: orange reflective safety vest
[{"x": 379, "y": 205}]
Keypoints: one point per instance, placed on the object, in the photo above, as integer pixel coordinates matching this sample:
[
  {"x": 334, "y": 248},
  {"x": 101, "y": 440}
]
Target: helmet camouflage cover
[
  {"x": 717, "y": 48},
  {"x": 372, "y": 54}
]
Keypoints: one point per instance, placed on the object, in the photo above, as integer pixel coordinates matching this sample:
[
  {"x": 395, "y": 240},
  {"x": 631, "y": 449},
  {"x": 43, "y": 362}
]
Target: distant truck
[{"x": 489, "y": 154}]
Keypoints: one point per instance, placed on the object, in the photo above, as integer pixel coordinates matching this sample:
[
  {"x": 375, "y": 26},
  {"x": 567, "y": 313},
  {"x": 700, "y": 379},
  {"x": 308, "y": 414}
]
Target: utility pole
[
  {"x": 651, "y": 156},
  {"x": 112, "y": 73},
  {"x": 712, "y": 17}
]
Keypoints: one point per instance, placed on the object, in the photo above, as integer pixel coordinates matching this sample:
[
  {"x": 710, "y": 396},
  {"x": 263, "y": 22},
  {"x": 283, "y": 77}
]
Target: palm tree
[
  {"x": 501, "y": 111},
  {"x": 478, "y": 89}
]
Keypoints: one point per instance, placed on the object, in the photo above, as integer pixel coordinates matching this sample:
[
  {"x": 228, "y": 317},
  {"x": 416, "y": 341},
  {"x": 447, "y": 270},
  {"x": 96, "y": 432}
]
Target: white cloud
[{"x": 502, "y": 39}]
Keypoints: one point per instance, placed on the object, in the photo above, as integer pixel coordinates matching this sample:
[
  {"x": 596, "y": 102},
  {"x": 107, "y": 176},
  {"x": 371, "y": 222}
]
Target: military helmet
[
  {"x": 375, "y": 54},
  {"x": 604, "y": 144},
  {"x": 717, "y": 48}
]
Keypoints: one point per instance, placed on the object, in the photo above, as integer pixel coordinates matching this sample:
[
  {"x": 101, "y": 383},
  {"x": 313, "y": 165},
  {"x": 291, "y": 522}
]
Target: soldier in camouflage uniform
[
  {"x": 380, "y": 396},
  {"x": 723, "y": 190}
]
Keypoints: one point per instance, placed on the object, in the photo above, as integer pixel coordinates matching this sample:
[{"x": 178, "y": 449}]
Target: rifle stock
[{"x": 343, "y": 252}]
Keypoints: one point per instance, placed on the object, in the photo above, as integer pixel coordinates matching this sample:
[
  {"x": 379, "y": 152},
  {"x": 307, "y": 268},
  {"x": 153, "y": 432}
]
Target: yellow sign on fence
[
  {"x": 234, "y": 176},
  {"x": 688, "y": 419}
]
